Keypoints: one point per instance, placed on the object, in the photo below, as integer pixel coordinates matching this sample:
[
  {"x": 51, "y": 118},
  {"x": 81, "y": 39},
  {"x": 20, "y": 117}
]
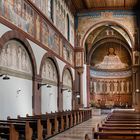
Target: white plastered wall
[
  {"x": 3, "y": 29},
  {"x": 38, "y": 53},
  {"x": 49, "y": 99},
  {"x": 12, "y": 103},
  {"x": 67, "y": 100},
  {"x": 15, "y": 97},
  {"x": 61, "y": 66}
]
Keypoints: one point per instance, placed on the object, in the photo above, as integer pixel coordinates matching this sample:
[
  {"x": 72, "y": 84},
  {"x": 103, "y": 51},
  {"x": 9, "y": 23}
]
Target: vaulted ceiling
[{"x": 81, "y": 5}]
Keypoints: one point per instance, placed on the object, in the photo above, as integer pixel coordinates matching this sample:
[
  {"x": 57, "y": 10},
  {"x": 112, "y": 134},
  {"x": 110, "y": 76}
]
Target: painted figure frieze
[
  {"x": 67, "y": 79},
  {"x": 68, "y": 54},
  {"x": 14, "y": 56},
  {"x": 49, "y": 71},
  {"x": 19, "y": 13},
  {"x": 24, "y": 16}
]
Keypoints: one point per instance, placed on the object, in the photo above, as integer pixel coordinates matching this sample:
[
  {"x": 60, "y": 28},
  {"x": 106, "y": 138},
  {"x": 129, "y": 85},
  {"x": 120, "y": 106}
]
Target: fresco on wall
[
  {"x": 49, "y": 71},
  {"x": 111, "y": 61},
  {"x": 87, "y": 20},
  {"x": 19, "y": 13},
  {"x": 38, "y": 27},
  {"x": 25, "y": 17},
  {"x": 79, "y": 59},
  {"x": 45, "y": 33},
  {"x": 14, "y": 56},
  {"x": 111, "y": 56},
  {"x": 53, "y": 42},
  {"x": 67, "y": 79},
  {"x": 68, "y": 54}
]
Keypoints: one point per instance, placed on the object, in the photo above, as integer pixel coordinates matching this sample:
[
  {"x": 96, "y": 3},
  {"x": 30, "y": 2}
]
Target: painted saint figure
[{"x": 111, "y": 61}]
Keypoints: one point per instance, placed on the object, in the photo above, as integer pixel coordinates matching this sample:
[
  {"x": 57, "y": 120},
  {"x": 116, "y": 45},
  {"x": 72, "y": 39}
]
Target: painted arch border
[
  {"x": 101, "y": 23},
  {"x": 15, "y": 35}
]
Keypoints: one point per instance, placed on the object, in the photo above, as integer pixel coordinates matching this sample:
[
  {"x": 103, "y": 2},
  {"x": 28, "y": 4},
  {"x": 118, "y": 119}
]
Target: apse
[{"x": 110, "y": 60}]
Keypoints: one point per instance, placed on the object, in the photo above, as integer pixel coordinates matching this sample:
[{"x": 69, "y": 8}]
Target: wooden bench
[
  {"x": 41, "y": 126},
  {"x": 117, "y": 135},
  {"x": 15, "y": 130},
  {"x": 117, "y": 126}
]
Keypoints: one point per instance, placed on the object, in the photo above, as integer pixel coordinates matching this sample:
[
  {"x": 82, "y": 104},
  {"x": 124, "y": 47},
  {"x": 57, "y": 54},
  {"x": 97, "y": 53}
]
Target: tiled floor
[{"x": 78, "y": 132}]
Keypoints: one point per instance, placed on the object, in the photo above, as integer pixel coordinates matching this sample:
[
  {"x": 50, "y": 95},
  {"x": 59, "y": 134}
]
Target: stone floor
[{"x": 78, "y": 132}]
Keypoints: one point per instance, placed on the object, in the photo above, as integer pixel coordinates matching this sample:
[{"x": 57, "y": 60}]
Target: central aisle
[{"x": 78, "y": 132}]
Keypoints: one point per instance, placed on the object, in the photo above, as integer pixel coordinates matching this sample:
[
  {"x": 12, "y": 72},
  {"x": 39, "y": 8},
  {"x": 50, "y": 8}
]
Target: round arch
[
  {"x": 67, "y": 88},
  {"x": 49, "y": 94},
  {"x": 14, "y": 35},
  {"x": 22, "y": 92},
  {"x": 97, "y": 44},
  {"x": 50, "y": 56},
  {"x": 104, "y": 22}
]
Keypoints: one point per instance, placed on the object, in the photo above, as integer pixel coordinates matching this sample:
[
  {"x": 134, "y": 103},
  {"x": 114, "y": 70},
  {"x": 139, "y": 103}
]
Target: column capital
[{"x": 80, "y": 70}]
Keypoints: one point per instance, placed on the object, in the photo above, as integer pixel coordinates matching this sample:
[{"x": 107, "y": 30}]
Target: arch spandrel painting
[
  {"x": 67, "y": 80},
  {"x": 49, "y": 71},
  {"x": 111, "y": 58},
  {"x": 14, "y": 56}
]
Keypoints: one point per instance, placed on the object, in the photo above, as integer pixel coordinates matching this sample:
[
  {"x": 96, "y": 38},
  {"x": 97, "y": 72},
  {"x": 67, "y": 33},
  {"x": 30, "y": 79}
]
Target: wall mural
[
  {"x": 111, "y": 61},
  {"x": 67, "y": 79},
  {"x": 79, "y": 59},
  {"x": 111, "y": 56},
  {"x": 110, "y": 73},
  {"x": 14, "y": 56},
  {"x": 49, "y": 71},
  {"x": 25, "y": 17},
  {"x": 87, "y": 20},
  {"x": 19, "y": 13},
  {"x": 68, "y": 54}
]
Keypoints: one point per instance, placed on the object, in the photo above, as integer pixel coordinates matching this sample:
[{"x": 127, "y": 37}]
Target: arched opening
[
  {"x": 67, "y": 90},
  {"x": 16, "y": 63},
  {"x": 109, "y": 54},
  {"x": 49, "y": 93}
]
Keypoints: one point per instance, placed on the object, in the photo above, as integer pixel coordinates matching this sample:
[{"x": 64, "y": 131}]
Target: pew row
[
  {"x": 119, "y": 125},
  {"x": 41, "y": 126}
]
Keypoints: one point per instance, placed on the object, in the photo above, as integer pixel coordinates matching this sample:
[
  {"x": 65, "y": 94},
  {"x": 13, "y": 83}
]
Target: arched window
[
  {"x": 50, "y": 9},
  {"x": 68, "y": 28}
]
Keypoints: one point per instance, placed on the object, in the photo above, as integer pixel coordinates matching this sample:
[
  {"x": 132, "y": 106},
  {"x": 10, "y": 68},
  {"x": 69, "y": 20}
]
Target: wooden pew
[
  {"x": 15, "y": 130},
  {"x": 35, "y": 125},
  {"x": 8, "y": 132},
  {"x": 117, "y": 135},
  {"x": 119, "y": 126},
  {"x": 46, "y": 125},
  {"x": 118, "y": 129}
]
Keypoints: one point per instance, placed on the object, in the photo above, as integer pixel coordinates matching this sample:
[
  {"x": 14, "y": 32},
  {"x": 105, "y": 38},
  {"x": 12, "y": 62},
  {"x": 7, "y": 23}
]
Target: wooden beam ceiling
[{"x": 82, "y": 5}]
